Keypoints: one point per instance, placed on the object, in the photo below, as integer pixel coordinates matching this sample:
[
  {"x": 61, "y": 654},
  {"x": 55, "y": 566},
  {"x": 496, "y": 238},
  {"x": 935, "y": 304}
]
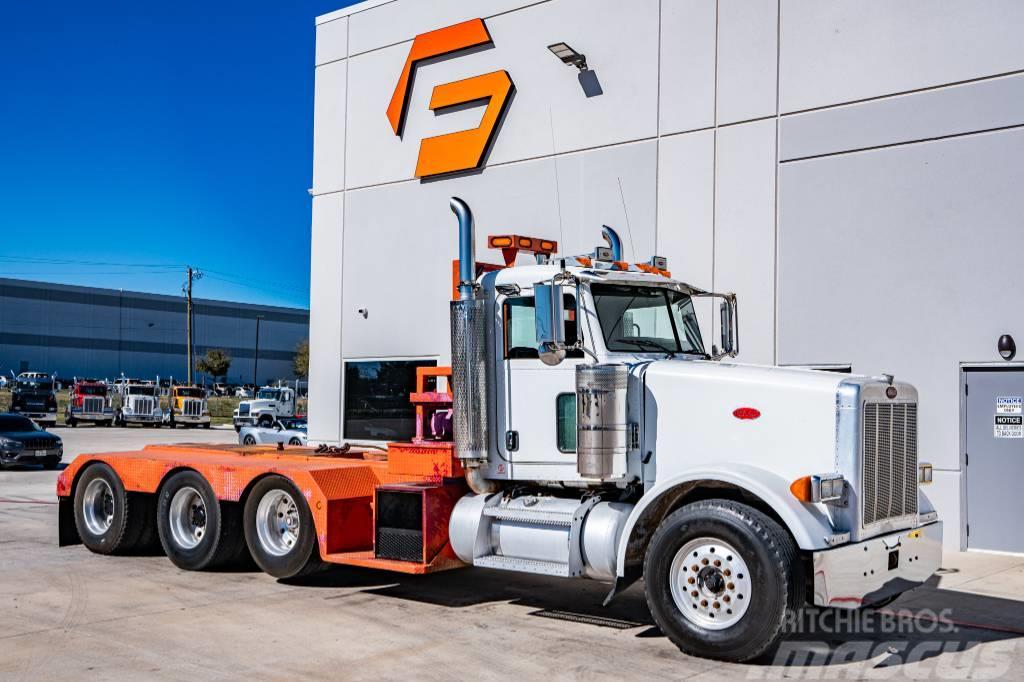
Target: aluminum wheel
[
  {"x": 187, "y": 517},
  {"x": 710, "y": 583},
  {"x": 277, "y": 522},
  {"x": 98, "y": 506}
]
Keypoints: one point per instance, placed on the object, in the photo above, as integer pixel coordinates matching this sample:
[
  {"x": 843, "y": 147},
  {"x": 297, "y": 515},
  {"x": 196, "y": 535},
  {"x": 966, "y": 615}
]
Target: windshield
[
  {"x": 190, "y": 392},
  {"x": 646, "y": 319},
  {"x": 294, "y": 424},
  {"x": 268, "y": 394},
  {"x": 142, "y": 390},
  {"x": 14, "y": 424},
  {"x": 92, "y": 390},
  {"x": 35, "y": 385}
]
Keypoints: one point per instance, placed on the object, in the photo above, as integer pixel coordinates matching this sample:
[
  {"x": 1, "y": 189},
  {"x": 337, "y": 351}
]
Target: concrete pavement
[{"x": 67, "y": 612}]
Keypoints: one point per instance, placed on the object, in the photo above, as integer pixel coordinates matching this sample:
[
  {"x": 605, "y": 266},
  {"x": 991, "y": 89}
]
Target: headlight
[
  {"x": 819, "y": 488},
  {"x": 924, "y": 473},
  {"x": 8, "y": 443}
]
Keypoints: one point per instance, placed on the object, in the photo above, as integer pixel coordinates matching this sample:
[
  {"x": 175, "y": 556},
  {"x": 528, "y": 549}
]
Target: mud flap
[
  {"x": 622, "y": 583},
  {"x": 67, "y": 532}
]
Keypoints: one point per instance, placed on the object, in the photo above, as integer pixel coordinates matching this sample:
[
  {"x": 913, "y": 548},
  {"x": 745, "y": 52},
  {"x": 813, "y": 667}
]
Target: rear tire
[
  {"x": 295, "y": 441},
  {"x": 248, "y": 440},
  {"x": 197, "y": 531},
  {"x": 748, "y": 575},
  {"x": 279, "y": 529},
  {"x": 109, "y": 520}
]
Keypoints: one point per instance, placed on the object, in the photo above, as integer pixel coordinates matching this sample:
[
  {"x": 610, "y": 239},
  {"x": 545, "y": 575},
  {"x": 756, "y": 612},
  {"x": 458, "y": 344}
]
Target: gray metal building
[{"x": 84, "y": 331}]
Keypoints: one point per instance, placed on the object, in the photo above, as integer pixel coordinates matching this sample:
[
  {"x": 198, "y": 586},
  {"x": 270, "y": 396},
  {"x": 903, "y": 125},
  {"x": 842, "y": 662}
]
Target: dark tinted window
[
  {"x": 521, "y": 332},
  {"x": 92, "y": 390},
  {"x": 15, "y": 424},
  {"x": 35, "y": 384},
  {"x": 377, "y": 403}
]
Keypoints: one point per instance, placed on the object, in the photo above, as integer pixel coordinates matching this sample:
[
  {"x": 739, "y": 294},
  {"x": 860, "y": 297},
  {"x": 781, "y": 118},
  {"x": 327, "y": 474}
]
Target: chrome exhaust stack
[
  {"x": 469, "y": 360},
  {"x": 611, "y": 237}
]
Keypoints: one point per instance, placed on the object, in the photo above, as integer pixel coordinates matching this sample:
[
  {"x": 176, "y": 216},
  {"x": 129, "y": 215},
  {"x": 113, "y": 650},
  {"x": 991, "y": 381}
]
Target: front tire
[
  {"x": 197, "y": 531},
  {"x": 279, "y": 529},
  {"x": 720, "y": 577},
  {"x": 248, "y": 440},
  {"x": 109, "y": 519}
]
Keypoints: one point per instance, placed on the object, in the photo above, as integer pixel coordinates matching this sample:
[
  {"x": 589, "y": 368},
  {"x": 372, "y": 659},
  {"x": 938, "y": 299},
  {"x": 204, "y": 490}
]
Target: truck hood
[
  {"x": 780, "y": 419},
  {"x": 256, "y": 404}
]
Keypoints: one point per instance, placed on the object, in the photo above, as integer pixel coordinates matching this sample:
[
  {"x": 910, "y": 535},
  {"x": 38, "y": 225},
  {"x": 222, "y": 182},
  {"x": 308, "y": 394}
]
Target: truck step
[
  {"x": 539, "y": 517},
  {"x": 508, "y": 563}
]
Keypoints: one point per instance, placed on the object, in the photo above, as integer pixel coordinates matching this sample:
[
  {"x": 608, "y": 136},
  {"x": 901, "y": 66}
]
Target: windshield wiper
[{"x": 640, "y": 343}]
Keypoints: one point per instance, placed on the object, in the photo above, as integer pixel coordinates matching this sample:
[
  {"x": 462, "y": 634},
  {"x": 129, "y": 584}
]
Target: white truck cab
[
  {"x": 270, "y": 404},
  {"x": 140, "y": 404},
  {"x": 603, "y": 436}
]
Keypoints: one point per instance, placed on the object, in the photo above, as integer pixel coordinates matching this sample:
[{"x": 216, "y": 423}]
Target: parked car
[
  {"x": 287, "y": 431},
  {"x": 22, "y": 441}
]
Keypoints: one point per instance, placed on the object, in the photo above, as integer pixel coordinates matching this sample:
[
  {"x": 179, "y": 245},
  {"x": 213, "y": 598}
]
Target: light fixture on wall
[
  {"x": 569, "y": 55},
  {"x": 1007, "y": 347}
]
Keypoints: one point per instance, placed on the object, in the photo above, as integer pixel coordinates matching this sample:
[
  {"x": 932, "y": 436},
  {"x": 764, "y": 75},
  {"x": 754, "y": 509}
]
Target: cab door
[{"x": 539, "y": 425}]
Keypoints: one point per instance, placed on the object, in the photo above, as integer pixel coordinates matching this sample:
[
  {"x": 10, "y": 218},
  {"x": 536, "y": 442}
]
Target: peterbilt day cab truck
[
  {"x": 593, "y": 435},
  {"x": 33, "y": 396},
  {"x": 270, "y": 404},
  {"x": 89, "y": 402},
  {"x": 140, "y": 404},
  {"x": 188, "y": 406}
]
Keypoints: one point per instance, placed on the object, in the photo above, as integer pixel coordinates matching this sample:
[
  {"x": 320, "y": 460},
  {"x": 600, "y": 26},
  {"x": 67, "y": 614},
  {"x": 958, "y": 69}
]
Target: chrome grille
[
  {"x": 192, "y": 408},
  {"x": 889, "y": 472},
  {"x": 92, "y": 405},
  {"x": 143, "y": 406}
]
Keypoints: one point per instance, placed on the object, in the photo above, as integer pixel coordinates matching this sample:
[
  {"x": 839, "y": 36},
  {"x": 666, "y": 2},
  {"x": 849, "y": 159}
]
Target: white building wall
[{"x": 846, "y": 168}]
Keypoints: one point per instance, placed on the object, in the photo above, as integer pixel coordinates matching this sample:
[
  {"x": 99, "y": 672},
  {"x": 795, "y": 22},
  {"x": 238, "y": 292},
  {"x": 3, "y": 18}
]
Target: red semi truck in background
[{"x": 89, "y": 402}]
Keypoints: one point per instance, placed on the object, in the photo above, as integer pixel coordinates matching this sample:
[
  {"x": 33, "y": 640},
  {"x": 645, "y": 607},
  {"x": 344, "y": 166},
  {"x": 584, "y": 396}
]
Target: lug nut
[
  {"x": 691, "y": 580},
  {"x": 730, "y": 586},
  {"x": 704, "y": 562},
  {"x": 694, "y": 568},
  {"x": 727, "y": 573},
  {"x": 726, "y": 599},
  {"x": 717, "y": 563},
  {"x": 704, "y": 603},
  {"x": 717, "y": 605}
]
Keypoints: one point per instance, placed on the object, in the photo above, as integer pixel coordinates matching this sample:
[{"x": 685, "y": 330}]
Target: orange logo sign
[{"x": 463, "y": 150}]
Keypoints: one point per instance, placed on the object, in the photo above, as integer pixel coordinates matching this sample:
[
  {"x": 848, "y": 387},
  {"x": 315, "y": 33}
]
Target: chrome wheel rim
[
  {"x": 278, "y": 523},
  {"x": 187, "y": 516},
  {"x": 98, "y": 506},
  {"x": 710, "y": 583}
]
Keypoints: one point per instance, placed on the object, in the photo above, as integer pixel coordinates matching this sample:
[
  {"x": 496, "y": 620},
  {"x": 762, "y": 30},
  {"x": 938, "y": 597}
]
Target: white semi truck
[
  {"x": 270, "y": 404},
  {"x": 595, "y": 435},
  {"x": 140, "y": 404}
]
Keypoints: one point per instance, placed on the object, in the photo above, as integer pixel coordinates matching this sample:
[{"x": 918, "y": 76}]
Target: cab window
[{"x": 520, "y": 328}]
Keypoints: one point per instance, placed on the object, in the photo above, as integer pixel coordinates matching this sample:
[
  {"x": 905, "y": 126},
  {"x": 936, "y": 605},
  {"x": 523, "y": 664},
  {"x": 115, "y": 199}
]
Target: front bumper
[
  {"x": 864, "y": 573},
  {"x": 243, "y": 421},
  {"x": 190, "y": 419},
  {"x": 142, "y": 418},
  {"x": 92, "y": 416},
  {"x": 39, "y": 417},
  {"x": 29, "y": 456}
]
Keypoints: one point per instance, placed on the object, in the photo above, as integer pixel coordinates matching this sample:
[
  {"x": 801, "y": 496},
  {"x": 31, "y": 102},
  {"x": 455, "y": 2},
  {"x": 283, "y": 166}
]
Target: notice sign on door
[
  {"x": 1009, "y": 426},
  {"x": 1009, "y": 404}
]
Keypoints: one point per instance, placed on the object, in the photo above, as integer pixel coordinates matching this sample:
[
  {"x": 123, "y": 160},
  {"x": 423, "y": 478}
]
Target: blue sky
[{"x": 136, "y": 138}]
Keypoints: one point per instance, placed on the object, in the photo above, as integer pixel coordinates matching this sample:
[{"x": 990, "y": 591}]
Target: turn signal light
[
  {"x": 500, "y": 242},
  {"x": 818, "y": 488}
]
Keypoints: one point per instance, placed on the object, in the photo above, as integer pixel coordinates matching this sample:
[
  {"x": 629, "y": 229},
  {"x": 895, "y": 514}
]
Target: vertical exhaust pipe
[
  {"x": 470, "y": 397},
  {"x": 613, "y": 241}
]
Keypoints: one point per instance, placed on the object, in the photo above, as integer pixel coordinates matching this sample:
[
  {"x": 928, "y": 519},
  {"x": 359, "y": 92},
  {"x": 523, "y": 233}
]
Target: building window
[
  {"x": 565, "y": 422},
  {"x": 377, "y": 403},
  {"x": 521, "y": 332}
]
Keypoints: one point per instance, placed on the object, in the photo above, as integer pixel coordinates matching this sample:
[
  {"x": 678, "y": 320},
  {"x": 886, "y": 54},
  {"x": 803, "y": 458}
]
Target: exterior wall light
[
  {"x": 1007, "y": 347},
  {"x": 569, "y": 55}
]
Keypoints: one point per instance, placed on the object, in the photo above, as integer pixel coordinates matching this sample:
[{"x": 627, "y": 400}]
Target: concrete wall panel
[
  {"x": 745, "y": 232},
  {"x": 325, "y": 301},
  {"x": 551, "y": 110},
  {"x": 979, "y": 105},
  {"x": 330, "y": 92},
  {"x": 835, "y": 52},
  {"x": 899, "y": 260},
  {"x": 332, "y": 41},
  {"x": 747, "y": 59},
  {"x": 687, "y": 84}
]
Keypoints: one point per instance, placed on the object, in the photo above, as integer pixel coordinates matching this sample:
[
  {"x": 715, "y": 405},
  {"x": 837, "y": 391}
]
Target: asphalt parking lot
[{"x": 67, "y": 612}]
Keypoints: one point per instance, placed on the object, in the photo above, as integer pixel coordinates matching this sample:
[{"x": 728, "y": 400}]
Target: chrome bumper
[
  {"x": 191, "y": 419},
  {"x": 867, "y": 572}
]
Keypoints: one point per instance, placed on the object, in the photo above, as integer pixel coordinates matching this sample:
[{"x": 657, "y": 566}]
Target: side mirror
[
  {"x": 730, "y": 333},
  {"x": 549, "y": 318}
]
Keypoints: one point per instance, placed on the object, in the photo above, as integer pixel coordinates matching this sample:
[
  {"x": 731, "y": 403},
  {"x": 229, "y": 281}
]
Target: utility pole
[
  {"x": 256, "y": 357},
  {"x": 192, "y": 274}
]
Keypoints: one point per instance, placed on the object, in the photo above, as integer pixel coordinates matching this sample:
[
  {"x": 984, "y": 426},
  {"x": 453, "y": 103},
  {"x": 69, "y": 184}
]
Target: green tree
[
  {"x": 216, "y": 363},
  {"x": 300, "y": 363}
]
